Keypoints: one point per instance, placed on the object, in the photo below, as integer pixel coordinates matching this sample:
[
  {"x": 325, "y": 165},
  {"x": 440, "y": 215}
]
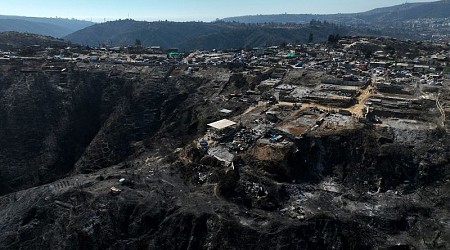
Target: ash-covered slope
[
  {"x": 56, "y": 122},
  {"x": 61, "y": 117},
  {"x": 69, "y": 133},
  {"x": 196, "y": 203}
]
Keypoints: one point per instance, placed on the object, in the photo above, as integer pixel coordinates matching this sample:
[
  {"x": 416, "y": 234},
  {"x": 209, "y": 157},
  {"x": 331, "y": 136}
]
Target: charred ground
[{"x": 71, "y": 130}]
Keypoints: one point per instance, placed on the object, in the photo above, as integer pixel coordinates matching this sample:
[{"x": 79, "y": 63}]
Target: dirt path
[
  {"x": 441, "y": 109},
  {"x": 358, "y": 108},
  {"x": 253, "y": 107}
]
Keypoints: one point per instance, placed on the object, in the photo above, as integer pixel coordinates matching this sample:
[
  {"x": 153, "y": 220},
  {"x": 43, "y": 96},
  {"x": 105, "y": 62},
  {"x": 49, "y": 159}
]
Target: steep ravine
[{"x": 55, "y": 123}]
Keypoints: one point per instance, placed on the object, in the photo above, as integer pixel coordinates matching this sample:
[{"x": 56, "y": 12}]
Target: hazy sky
[{"x": 183, "y": 10}]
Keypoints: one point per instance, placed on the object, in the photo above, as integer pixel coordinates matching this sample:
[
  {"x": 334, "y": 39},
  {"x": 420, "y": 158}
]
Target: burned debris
[{"x": 298, "y": 146}]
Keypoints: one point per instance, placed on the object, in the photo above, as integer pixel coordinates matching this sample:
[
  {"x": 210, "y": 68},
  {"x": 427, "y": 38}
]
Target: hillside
[
  {"x": 56, "y": 27},
  {"x": 12, "y": 39},
  {"x": 198, "y": 35},
  {"x": 130, "y": 155},
  {"x": 408, "y": 11},
  {"x": 32, "y": 27},
  {"x": 288, "y": 18},
  {"x": 403, "y": 12}
]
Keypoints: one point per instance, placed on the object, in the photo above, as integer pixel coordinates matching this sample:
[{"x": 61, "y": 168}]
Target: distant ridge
[
  {"x": 403, "y": 12},
  {"x": 249, "y": 31},
  {"x": 56, "y": 27},
  {"x": 199, "y": 35}
]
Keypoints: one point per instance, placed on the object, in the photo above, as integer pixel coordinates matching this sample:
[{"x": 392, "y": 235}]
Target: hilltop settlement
[{"x": 336, "y": 145}]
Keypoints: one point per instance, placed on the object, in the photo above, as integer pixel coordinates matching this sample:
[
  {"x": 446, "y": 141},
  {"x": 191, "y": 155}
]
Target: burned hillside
[{"x": 318, "y": 146}]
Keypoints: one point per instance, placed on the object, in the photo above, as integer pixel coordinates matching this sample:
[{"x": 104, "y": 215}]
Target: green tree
[
  {"x": 310, "y": 38},
  {"x": 138, "y": 42},
  {"x": 333, "y": 39}
]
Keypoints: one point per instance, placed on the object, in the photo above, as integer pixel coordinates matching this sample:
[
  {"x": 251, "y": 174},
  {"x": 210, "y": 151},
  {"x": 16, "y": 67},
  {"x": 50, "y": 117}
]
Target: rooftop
[{"x": 225, "y": 123}]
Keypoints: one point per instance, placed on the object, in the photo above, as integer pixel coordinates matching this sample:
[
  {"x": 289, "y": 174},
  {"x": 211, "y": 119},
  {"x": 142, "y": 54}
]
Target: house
[
  {"x": 380, "y": 64},
  {"x": 421, "y": 68},
  {"x": 401, "y": 66}
]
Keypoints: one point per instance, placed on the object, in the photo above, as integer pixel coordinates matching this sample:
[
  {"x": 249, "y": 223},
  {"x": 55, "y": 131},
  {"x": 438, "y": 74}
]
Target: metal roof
[
  {"x": 226, "y": 111},
  {"x": 222, "y": 124}
]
